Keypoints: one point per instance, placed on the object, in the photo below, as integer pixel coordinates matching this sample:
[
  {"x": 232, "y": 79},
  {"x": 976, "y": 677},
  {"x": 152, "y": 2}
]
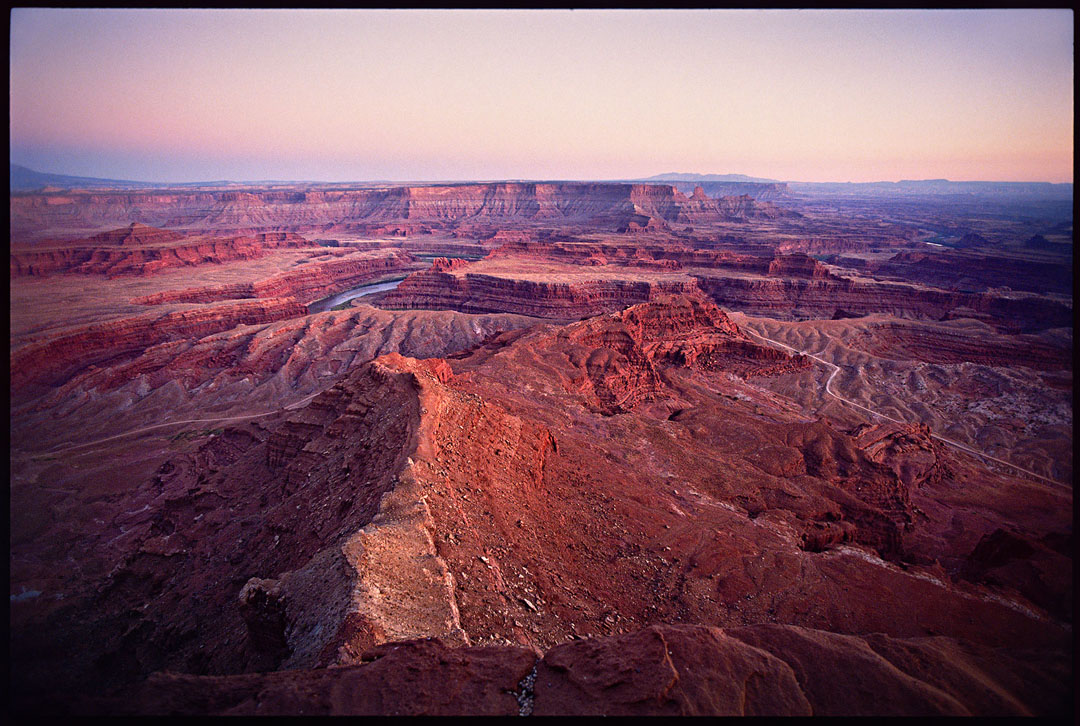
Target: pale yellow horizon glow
[{"x": 437, "y": 95}]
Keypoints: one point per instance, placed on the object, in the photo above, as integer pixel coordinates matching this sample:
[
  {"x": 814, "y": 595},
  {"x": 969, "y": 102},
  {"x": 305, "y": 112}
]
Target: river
[{"x": 327, "y": 303}]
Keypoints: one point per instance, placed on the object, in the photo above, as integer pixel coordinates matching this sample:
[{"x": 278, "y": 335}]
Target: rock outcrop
[
  {"x": 113, "y": 253},
  {"x": 621, "y": 357},
  {"x": 53, "y": 360},
  {"x": 658, "y": 671},
  {"x": 444, "y": 289}
]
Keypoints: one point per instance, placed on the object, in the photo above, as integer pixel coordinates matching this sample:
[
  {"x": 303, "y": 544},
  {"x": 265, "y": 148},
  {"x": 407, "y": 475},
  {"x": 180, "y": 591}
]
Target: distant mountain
[
  {"x": 24, "y": 180},
  {"x": 937, "y": 187},
  {"x": 677, "y": 176}
]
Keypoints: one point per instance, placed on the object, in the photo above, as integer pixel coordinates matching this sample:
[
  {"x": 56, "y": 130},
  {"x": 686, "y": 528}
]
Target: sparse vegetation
[{"x": 195, "y": 434}]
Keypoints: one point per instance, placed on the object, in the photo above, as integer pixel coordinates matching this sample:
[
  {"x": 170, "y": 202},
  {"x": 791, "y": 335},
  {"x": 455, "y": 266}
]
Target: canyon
[{"x": 717, "y": 448}]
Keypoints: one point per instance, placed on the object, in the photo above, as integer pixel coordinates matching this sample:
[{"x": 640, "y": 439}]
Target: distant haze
[{"x": 191, "y": 95}]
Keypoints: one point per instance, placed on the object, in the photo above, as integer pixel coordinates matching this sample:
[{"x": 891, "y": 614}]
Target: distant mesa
[
  {"x": 972, "y": 239},
  {"x": 680, "y": 176},
  {"x": 23, "y": 179},
  {"x": 1038, "y": 242},
  {"x": 136, "y": 234}
]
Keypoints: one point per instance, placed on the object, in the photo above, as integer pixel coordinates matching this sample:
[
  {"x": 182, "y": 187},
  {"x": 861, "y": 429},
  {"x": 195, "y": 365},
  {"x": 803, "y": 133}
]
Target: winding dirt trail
[
  {"x": 291, "y": 406},
  {"x": 950, "y": 442}
]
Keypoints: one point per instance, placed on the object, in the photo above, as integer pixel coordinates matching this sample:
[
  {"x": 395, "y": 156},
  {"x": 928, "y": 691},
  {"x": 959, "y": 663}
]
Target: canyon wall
[
  {"x": 98, "y": 255},
  {"x": 51, "y": 361},
  {"x": 478, "y": 293},
  {"x": 603, "y": 204},
  {"x": 786, "y": 298}
]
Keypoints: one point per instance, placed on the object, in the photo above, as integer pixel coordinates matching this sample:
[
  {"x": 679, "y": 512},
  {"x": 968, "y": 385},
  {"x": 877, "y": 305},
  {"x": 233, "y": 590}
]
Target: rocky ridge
[
  {"x": 502, "y": 496},
  {"x": 658, "y": 671}
]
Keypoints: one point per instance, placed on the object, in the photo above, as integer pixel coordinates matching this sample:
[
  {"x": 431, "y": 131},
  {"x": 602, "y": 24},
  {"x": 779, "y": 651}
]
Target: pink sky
[{"x": 436, "y": 95}]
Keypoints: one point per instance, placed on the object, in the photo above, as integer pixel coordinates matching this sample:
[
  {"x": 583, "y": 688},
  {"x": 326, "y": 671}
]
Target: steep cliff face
[
  {"x": 666, "y": 256},
  {"x": 603, "y": 204},
  {"x": 860, "y": 242},
  {"x": 745, "y": 207},
  {"x": 594, "y": 254},
  {"x": 825, "y": 298},
  {"x": 114, "y": 253},
  {"x": 50, "y": 362},
  {"x": 479, "y": 293},
  {"x": 799, "y": 266}
]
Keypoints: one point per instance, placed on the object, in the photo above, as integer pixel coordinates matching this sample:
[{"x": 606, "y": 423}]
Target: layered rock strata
[
  {"x": 604, "y": 204},
  {"x": 441, "y": 289},
  {"x": 51, "y": 361},
  {"x": 112, "y": 254},
  {"x": 787, "y": 298},
  {"x": 671, "y": 257}
]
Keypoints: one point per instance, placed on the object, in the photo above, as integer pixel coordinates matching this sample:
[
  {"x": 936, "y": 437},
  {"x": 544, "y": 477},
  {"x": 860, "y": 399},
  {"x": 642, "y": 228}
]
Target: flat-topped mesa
[
  {"x": 746, "y": 207},
  {"x": 791, "y": 298},
  {"x": 136, "y": 234},
  {"x": 761, "y": 192},
  {"x": 666, "y": 256},
  {"x": 90, "y": 257},
  {"x": 449, "y": 289},
  {"x": 598, "y": 253},
  {"x": 797, "y": 265},
  {"x": 611, "y": 205}
]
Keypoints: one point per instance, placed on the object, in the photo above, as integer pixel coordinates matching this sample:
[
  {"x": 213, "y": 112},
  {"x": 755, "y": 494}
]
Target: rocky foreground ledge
[{"x": 758, "y": 670}]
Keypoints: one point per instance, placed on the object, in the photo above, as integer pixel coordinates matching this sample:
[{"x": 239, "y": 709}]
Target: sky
[{"x": 424, "y": 95}]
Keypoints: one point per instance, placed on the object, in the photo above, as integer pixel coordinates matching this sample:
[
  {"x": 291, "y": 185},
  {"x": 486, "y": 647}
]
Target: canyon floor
[{"x": 599, "y": 449}]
